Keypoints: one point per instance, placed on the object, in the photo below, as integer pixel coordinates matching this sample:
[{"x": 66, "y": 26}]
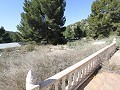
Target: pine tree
[
  {"x": 69, "y": 33},
  {"x": 2, "y": 32},
  {"x": 42, "y": 20},
  {"x": 105, "y": 15},
  {"x": 73, "y": 32},
  {"x": 31, "y": 26},
  {"x": 54, "y": 15}
]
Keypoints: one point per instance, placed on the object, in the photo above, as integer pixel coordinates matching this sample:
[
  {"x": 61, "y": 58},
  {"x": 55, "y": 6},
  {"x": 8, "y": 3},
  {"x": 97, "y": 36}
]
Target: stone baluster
[
  {"x": 70, "y": 81},
  {"x": 93, "y": 64},
  {"x": 85, "y": 70},
  {"x": 78, "y": 76},
  {"x": 88, "y": 68},
  {"x": 63, "y": 83},
  {"x": 96, "y": 62},
  {"x": 56, "y": 85},
  {"x": 81, "y": 74},
  {"x": 75, "y": 77}
]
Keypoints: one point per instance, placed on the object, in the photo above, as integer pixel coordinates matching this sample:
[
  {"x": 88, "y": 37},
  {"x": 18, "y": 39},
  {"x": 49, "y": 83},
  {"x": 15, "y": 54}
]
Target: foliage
[
  {"x": 30, "y": 47},
  {"x": 105, "y": 18},
  {"x": 76, "y": 31},
  {"x": 69, "y": 34},
  {"x": 15, "y": 36},
  {"x": 4, "y": 36},
  {"x": 42, "y": 20},
  {"x": 72, "y": 33}
]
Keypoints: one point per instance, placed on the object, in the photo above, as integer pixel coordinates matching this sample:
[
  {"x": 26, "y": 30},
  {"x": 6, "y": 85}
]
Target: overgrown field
[{"x": 44, "y": 60}]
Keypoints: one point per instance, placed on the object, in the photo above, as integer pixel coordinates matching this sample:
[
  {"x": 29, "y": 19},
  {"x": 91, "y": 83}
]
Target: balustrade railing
[{"x": 72, "y": 77}]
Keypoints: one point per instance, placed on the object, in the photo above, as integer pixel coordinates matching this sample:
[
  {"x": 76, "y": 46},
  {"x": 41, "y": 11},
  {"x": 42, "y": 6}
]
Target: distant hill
[{"x": 11, "y": 32}]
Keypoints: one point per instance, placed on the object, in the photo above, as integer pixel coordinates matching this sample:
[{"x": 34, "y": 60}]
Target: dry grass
[
  {"x": 111, "y": 68},
  {"x": 44, "y": 60}
]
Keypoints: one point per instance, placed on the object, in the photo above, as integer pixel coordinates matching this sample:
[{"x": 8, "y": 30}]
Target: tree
[
  {"x": 69, "y": 33},
  {"x": 15, "y": 36},
  {"x": 2, "y": 32},
  {"x": 32, "y": 26},
  {"x": 54, "y": 14},
  {"x": 4, "y": 36},
  {"x": 104, "y": 18},
  {"x": 73, "y": 32},
  {"x": 84, "y": 26},
  {"x": 42, "y": 20}
]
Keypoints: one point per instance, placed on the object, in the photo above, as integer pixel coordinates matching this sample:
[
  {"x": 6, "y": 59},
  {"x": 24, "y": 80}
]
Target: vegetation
[
  {"x": 14, "y": 36},
  {"x": 102, "y": 22},
  {"x": 105, "y": 18},
  {"x": 45, "y": 60},
  {"x": 42, "y": 20},
  {"x": 76, "y": 31},
  {"x": 4, "y": 36}
]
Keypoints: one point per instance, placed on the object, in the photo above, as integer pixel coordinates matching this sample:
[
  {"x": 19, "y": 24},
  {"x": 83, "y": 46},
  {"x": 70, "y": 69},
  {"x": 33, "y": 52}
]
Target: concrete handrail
[{"x": 72, "y": 77}]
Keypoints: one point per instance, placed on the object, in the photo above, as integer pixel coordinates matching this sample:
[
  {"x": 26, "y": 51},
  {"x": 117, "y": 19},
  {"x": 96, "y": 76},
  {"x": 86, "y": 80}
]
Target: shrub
[{"x": 30, "y": 47}]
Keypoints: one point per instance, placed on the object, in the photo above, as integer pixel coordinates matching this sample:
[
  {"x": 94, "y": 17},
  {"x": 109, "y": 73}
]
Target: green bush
[{"x": 30, "y": 47}]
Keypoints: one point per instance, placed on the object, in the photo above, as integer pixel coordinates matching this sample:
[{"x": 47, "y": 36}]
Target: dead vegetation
[{"x": 44, "y": 60}]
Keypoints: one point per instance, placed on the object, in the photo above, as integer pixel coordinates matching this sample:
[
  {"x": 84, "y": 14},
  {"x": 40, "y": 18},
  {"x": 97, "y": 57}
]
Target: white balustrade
[{"x": 73, "y": 76}]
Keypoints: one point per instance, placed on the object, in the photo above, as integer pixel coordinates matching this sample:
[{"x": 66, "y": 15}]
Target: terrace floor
[{"x": 105, "y": 80}]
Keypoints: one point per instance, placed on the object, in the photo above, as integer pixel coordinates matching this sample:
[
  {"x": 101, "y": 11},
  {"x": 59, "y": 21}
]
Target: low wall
[{"x": 72, "y": 77}]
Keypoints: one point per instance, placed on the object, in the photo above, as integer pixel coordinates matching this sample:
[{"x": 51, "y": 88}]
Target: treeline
[
  {"x": 102, "y": 22},
  {"x": 8, "y": 36},
  {"x": 77, "y": 30},
  {"x": 4, "y": 36},
  {"x": 43, "y": 21}
]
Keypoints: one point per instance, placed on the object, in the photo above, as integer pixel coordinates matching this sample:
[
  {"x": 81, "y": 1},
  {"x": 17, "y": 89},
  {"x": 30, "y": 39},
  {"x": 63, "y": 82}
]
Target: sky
[{"x": 10, "y": 11}]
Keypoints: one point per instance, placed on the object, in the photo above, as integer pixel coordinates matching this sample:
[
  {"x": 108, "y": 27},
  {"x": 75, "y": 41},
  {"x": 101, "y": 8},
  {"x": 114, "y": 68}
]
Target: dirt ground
[{"x": 106, "y": 80}]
